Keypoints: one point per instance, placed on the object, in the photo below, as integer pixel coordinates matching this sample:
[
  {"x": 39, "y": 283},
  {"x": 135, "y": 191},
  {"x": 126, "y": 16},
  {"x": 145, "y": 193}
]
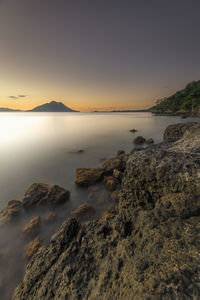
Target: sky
[{"x": 97, "y": 54}]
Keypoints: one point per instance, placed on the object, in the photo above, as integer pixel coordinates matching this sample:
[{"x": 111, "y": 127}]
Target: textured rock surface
[
  {"x": 32, "y": 247},
  {"x": 150, "y": 250},
  {"x": 11, "y": 211},
  {"x": 86, "y": 177},
  {"x": 139, "y": 140},
  {"x": 176, "y": 131},
  {"x": 31, "y": 229},
  {"x": 40, "y": 193}
]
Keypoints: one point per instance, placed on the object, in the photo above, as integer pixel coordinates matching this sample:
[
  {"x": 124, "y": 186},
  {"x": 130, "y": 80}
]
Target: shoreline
[{"x": 141, "y": 197}]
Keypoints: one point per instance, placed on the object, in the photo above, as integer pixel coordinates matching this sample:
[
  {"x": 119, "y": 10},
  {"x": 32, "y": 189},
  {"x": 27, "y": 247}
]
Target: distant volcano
[{"x": 52, "y": 106}]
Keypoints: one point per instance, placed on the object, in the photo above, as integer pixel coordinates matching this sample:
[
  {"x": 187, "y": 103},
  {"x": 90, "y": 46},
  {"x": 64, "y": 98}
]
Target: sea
[{"x": 49, "y": 147}]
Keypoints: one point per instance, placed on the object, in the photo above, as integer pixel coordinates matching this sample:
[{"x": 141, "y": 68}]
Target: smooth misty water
[{"x": 41, "y": 147}]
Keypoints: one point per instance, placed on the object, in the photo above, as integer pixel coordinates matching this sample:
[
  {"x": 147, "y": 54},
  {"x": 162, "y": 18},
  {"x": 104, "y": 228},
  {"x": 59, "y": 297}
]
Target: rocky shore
[{"x": 145, "y": 246}]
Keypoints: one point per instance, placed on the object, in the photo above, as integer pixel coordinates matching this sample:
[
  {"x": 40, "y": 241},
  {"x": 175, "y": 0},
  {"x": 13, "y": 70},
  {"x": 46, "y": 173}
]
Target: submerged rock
[
  {"x": 11, "y": 211},
  {"x": 88, "y": 176},
  {"x": 31, "y": 229},
  {"x": 50, "y": 217},
  {"x": 84, "y": 211},
  {"x": 139, "y": 140}
]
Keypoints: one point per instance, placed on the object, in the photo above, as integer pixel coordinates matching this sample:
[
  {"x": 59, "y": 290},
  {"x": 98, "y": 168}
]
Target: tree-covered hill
[{"x": 186, "y": 100}]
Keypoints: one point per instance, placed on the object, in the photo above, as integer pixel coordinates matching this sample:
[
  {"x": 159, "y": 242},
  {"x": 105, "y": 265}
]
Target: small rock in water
[
  {"x": 117, "y": 174},
  {"x": 40, "y": 193},
  {"x": 84, "y": 211},
  {"x": 11, "y": 211},
  {"x": 120, "y": 152},
  {"x": 111, "y": 183},
  {"x": 139, "y": 140},
  {"x": 88, "y": 176},
  {"x": 50, "y": 217},
  {"x": 150, "y": 141},
  {"x": 32, "y": 228},
  {"x": 31, "y": 248},
  {"x": 133, "y": 130}
]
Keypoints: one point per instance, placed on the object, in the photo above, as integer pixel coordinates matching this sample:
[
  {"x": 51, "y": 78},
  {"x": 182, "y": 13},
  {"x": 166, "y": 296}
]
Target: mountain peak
[{"x": 52, "y": 106}]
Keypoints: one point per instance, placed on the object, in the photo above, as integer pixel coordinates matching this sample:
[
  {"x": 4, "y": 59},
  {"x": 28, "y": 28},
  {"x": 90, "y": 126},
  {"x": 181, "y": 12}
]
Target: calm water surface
[{"x": 41, "y": 147}]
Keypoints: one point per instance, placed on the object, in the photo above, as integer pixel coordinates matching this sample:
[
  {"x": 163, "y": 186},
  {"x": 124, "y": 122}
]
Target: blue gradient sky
[{"x": 97, "y": 54}]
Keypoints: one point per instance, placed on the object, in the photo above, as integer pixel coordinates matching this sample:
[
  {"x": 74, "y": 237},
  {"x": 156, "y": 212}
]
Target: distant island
[
  {"x": 52, "y": 106},
  {"x": 185, "y": 101},
  {"x": 127, "y": 110}
]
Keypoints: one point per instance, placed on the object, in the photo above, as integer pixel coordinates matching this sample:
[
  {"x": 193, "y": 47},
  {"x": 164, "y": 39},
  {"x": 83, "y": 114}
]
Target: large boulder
[
  {"x": 176, "y": 131},
  {"x": 39, "y": 193},
  {"x": 11, "y": 211},
  {"x": 88, "y": 176},
  {"x": 31, "y": 229}
]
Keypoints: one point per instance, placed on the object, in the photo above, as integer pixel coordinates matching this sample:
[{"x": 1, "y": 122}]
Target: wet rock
[
  {"x": 34, "y": 194},
  {"x": 176, "y": 131},
  {"x": 88, "y": 176},
  {"x": 80, "y": 151},
  {"x": 56, "y": 195},
  {"x": 50, "y": 217},
  {"x": 31, "y": 248},
  {"x": 84, "y": 211},
  {"x": 120, "y": 152},
  {"x": 11, "y": 211},
  {"x": 93, "y": 189},
  {"x": 111, "y": 183},
  {"x": 31, "y": 229},
  {"x": 43, "y": 194},
  {"x": 139, "y": 140},
  {"x": 150, "y": 141}
]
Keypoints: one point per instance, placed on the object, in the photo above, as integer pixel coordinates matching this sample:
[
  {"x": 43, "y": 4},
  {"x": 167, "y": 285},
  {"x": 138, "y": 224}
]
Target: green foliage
[{"x": 187, "y": 99}]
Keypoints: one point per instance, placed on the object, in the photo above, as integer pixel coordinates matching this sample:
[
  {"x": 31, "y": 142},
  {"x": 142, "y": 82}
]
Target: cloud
[
  {"x": 13, "y": 97},
  {"x": 17, "y": 97}
]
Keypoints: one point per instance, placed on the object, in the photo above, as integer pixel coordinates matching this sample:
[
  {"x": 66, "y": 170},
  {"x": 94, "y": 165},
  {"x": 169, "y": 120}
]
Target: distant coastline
[{"x": 52, "y": 106}]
